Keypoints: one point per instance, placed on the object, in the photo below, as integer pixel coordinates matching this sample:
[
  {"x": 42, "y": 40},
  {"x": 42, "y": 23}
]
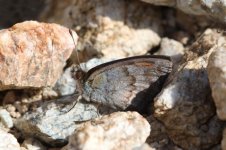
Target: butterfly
[{"x": 129, "y": 83}]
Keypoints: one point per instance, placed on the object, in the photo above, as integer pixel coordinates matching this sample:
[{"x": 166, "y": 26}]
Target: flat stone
[
  {"x": 217, "y": 78},
  {"x": 119, "y": 130},
  {"x": 33, "y": 54},
  {"x": 55, "y": 120}
]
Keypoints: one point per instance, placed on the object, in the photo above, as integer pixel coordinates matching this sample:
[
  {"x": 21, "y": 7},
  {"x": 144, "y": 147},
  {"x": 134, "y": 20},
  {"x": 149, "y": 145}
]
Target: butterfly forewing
[{"x": 131, "y": 82}]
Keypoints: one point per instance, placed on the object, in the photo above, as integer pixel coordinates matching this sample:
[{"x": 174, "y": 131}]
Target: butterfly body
[{"x": 130, "y": 82}]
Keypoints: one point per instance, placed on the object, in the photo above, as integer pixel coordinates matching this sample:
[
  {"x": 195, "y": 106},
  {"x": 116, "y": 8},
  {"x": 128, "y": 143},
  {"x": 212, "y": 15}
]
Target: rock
[
  {"x": 33, "y": 54},
  {"x": 5, "y": 118},
  {"x": 158, "y": 138},
  {"x": 172, "y": 48},
  {"x": 33, "y": 144},
  {"x": 66, "y": 85},
  {"x": 223, "y": 142},
  {"x": 93, "y": 63},
  {"x": 217, "y": 77},
  {"x": 120, "y": 130},
  {"x": 55, "y": 120},
  {"x": 185, "y": 106},
  {"x": 162, "y": 2},
  {"x": 8, "y": 141},
  {"x": 145, "y": 146},
  {"x": 129, "y": 31},
  {"x": 213, "y": 8},
  {"x": 9, "y": 97}
]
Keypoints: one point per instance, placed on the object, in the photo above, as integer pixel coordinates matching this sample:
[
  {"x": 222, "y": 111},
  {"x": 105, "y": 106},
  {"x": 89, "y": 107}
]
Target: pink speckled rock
[{"x": 33, "y": 54}]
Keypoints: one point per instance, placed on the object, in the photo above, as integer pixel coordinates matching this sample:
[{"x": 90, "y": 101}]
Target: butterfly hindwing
[{"x": 130, "y": 82}]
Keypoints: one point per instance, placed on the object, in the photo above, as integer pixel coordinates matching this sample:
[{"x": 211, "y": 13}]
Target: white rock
[
  {"x": 33, "y": 144},
  {"x": 172, "y": 48},
  {"x": 8, "y": 141},
  {"x": 120, "y": 130},
  {"x": 5, "y": 118}
]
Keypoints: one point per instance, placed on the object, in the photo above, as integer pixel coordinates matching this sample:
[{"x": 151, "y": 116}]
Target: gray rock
[
  {"x": 55, "y": 120},
  {"x": 217, "y": 78},
  {"x": 120, "y": 130},
  {"x": 212, "y": 8},
  {"x": 185, "y": 105},
  {"x": 5, "y": 119},
  {"x": 66, "y": 85}
]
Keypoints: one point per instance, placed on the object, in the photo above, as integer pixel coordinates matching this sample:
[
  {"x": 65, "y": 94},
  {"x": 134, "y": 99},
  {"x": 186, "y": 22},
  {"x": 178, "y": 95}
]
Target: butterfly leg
[{"x": 74, "y": 103}]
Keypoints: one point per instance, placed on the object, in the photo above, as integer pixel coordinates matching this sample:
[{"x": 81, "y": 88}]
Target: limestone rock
[
  {"x": 172, "y": 48},
  {"x": 33, "y": 54},
  {"x": 217, "y": 78},
  {"x": 5, "y": 118},
  {"x": 213, "y": 8},
  {"x": 55, "y": 120},
  {"x": 185, "y": 106},
  {"x": 114, "y": 29},
  {"x": 33, "y": 144},
  {"x": 120, "y": 130},
  {"x": 8, "y": 141}
]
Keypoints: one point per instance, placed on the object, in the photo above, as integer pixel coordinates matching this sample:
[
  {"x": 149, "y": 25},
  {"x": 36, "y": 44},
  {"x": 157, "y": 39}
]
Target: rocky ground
[{"x": 40, "y": 104}]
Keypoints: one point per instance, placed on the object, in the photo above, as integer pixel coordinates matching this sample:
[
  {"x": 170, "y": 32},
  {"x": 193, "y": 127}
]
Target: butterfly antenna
[{"x": 70, "y": 31}]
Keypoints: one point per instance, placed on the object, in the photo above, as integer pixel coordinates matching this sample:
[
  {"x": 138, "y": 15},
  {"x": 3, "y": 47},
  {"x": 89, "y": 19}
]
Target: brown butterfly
[
  {"x": 126, "y": 83},
  {"x": 129, "y": 83}
]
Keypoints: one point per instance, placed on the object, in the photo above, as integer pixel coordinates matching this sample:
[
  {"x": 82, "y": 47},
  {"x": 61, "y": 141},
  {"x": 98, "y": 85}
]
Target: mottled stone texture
[
  {"x": 55, "y": 120},
  {"x": 212, "y": 8},
  {"x": 185, "y": 106},
  {"x": 119, "y": 130},
  {"x": 33, "y": 54},
  {"x": 113, "y": 28},
  {"x": 217, "y": 77}
]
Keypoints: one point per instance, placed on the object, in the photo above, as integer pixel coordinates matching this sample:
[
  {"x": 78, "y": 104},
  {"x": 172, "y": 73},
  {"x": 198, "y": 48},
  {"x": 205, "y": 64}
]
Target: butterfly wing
[{"x": 127, "y": 83}]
